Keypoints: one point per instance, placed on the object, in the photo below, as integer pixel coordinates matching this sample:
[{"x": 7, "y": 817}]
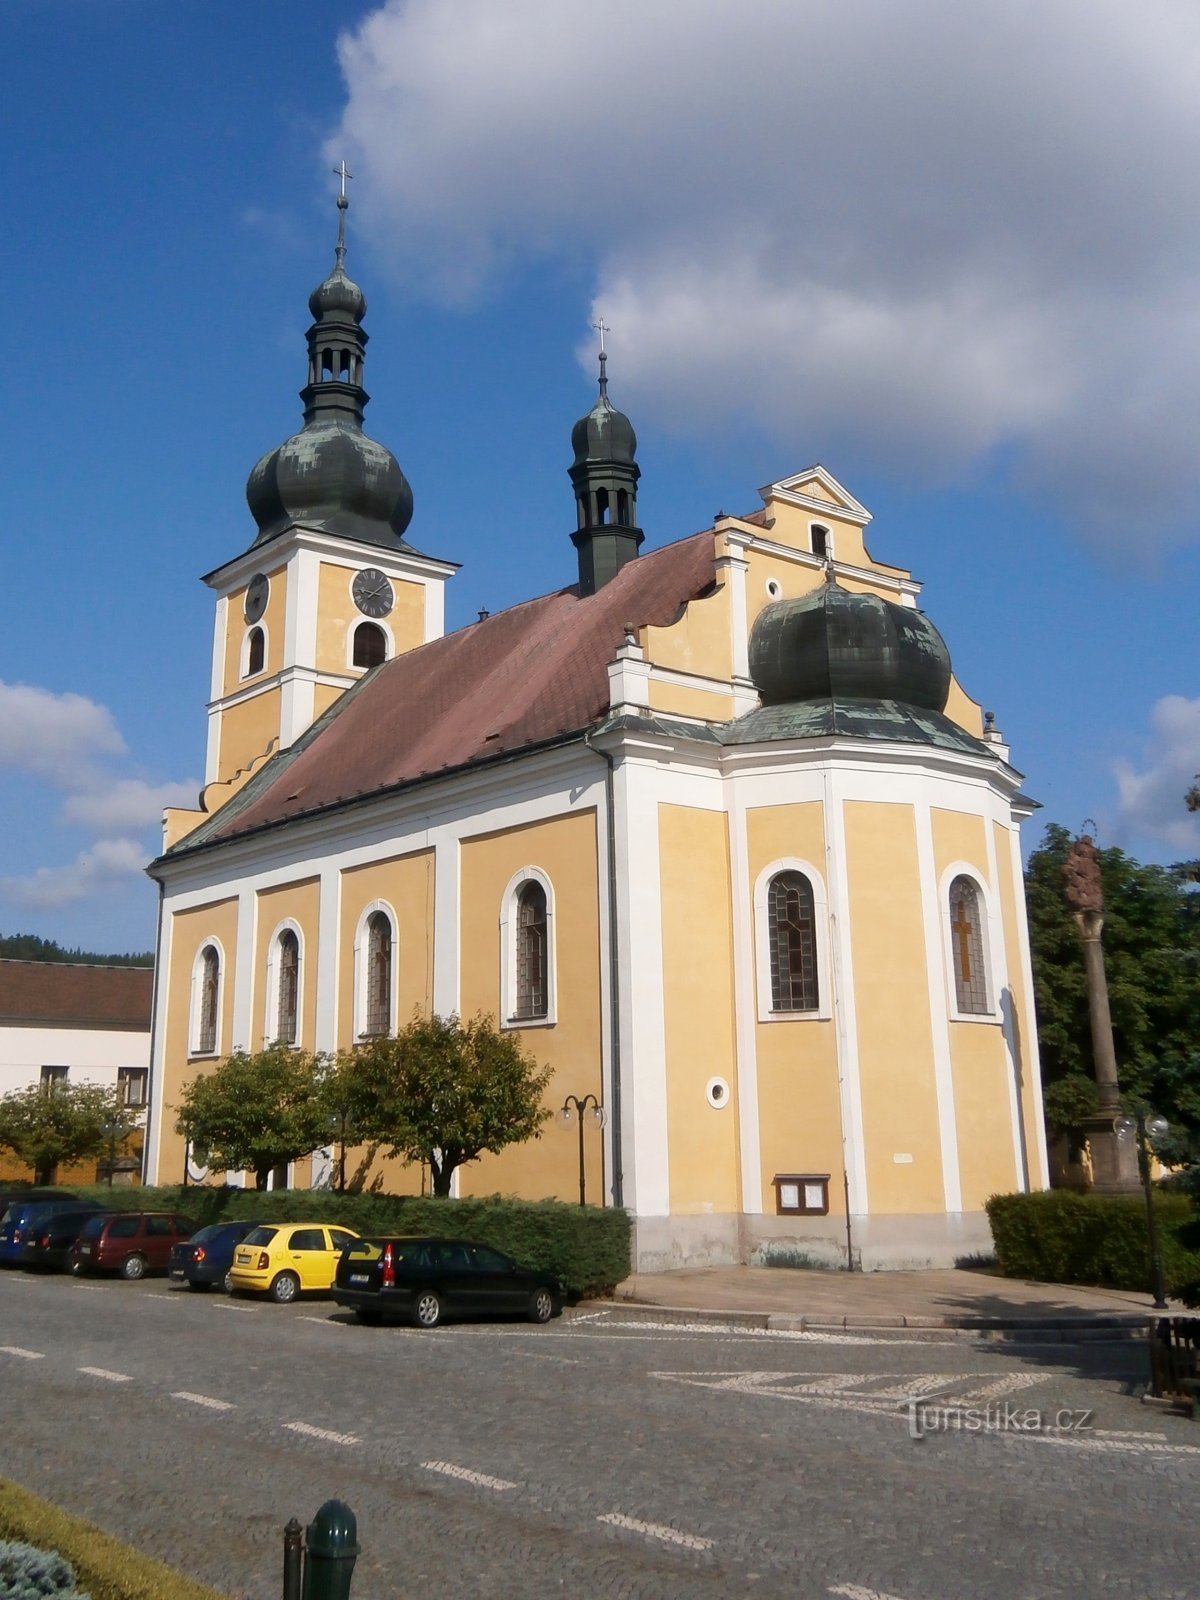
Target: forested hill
[{"x": 29, "y": 947}]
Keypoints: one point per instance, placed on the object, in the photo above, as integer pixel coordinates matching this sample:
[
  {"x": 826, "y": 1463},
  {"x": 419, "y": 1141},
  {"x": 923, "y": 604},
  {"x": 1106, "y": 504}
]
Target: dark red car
[{"x": 132, "y": 1243}]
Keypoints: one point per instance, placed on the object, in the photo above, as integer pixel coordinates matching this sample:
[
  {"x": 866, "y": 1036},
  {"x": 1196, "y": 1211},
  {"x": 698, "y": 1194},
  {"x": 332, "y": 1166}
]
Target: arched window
[
  {"x": 532, "y": 952},
  {"x": 209, "y": 1001},
  {"x": 602, "y": 508},
  {"x": 287, "y": 1014},
  {"x": 370, "y": 645},
  {"x": 378, "y": 1011},
  {"x": 623, "y": 507},
  {"x": 255, "y": 652},
  {"x": 820, "y": 542},
  {"x": 791, "y": 927},
  {"x": 966, "y": 944}
]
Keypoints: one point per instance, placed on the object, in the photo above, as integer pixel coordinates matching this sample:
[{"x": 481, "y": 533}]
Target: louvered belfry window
[
  {"x": 966, "y": 942},
  {"x": 791, "y": 919},
  {"x": 210, "y": 994},
  {"x": 289, "y": 987},
  {"x": 532, "y": 973},
  {"x": 379, "y": 974}
]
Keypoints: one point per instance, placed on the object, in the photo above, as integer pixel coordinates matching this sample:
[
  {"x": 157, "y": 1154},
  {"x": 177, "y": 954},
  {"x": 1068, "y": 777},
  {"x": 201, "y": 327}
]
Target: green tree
[
  {"x": 258, "y": 1110},
  {"x": 443, "y": 1091},
  {"x": 52, "y": 1125},
  {"x": 348, "y": 1096},
  {"x": 1152, "y": 960}
]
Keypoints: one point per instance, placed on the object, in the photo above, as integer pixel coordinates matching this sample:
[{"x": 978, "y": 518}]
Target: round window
[{"x": 716, "y": 1092}]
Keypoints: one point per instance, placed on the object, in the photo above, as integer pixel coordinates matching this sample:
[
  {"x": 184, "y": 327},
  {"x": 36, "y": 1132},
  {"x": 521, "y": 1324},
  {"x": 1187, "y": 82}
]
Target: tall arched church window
[
  {"x": 288, "y": 1008},
  {"x": 379, "y": 974},
  {"x": 210, "y": 999},
  {"x": 532, "y": 953},
  {"x": 255, "y": 652},
  {"x": 791, "y": 922},
  {"x": 370, "y": 645},
  {"x": 966, "y": 944}
]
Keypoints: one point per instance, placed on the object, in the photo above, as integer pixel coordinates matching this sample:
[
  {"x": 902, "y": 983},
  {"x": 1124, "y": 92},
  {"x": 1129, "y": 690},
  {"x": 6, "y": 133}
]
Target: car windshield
[{"x": 260, "y": 1235}]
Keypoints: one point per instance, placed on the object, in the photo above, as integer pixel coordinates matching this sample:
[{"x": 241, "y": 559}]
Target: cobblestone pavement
[{"x": 603, "y": 1455}]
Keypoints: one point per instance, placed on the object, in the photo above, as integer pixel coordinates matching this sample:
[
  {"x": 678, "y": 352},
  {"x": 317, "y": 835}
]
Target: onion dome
[
  {"x": 831, "y": 644},
  {"x": 330, "y": 476},
  {"x": 605, "y": 477}
]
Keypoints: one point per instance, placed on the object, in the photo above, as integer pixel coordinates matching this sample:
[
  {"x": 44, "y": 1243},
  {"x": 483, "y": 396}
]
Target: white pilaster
[
  {"x": 1026, "y": 1048},
  {"x": 744, "y": 1007},
  {"x": 242, "y": 1031},
  {"x": 446, "y": 953},
  {"x": 939, "y": 1025},
  {"x": 837, "y": 878}
]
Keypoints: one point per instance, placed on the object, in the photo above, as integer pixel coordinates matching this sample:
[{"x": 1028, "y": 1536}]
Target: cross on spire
[
  {"x": 602, "y": 328},
  {"x": 342, "y": 172}
]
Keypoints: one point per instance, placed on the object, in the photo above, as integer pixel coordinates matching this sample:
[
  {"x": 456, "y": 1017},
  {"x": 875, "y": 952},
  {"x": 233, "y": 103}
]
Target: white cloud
[
  {"x": 55, "y": 736},
  {"x": 1151, "y": 800},
  {"x": 122, "y": 804},
  {"x": 919, "y": 234},
  {"x": 106, "y": 865}
]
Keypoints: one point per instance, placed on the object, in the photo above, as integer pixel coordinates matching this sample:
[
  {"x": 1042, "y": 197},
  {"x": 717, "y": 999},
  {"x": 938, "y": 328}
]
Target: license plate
[
  {"x": 243, "y": 1258},
  {"x": 85, "y": 1249},
  {"x": 360, "y": 1277},
  {"x": 177, "y": 1272}
]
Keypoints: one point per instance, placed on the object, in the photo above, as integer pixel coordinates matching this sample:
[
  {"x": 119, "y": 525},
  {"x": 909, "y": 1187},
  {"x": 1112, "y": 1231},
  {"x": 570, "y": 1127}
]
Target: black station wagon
[{"x": 426, "y": 1280}]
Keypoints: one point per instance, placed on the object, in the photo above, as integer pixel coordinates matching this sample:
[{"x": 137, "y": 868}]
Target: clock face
[
  {"x": 372, "y": 592},
  {"x": 256, "y": 596}
]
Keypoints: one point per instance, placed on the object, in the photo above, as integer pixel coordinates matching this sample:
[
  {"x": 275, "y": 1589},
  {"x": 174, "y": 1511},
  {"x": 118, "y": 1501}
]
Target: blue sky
[{"x": 939, "y": 255}]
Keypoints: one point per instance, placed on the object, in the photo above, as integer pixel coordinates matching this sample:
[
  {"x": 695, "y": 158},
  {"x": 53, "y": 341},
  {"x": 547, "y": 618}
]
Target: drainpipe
[{"x": 614, "y": 972}]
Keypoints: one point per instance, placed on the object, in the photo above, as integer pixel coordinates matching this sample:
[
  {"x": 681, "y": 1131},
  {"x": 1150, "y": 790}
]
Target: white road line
[
  {"x": 656, "y": 1530},
  {"x": 480, "y": 1479},
  {"x": 726, "y": 1335},
  {"x": 918, "y": 1386},
  {"x": 322, "y": 1433},
  {"x": 995, "y": 1390},
  {"x": 25, "y": 1355},
  {"x": 224, "y": 1305},
  {"x": 852, "y": 1591},
  {"x": 109, "y": 1377},
  {"x": 1122, "y": 1433},
  {"x": 202, "y": 1400},
  {"x": 322, "y": 1322}
]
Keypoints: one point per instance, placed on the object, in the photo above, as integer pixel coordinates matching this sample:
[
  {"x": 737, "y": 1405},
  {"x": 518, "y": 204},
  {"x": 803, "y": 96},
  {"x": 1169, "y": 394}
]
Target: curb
[{"x": 1042, "y": 1330}]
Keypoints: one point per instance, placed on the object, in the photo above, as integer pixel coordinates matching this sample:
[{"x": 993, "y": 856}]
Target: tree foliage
[
  {"x": 1151, "y": 944},
  {"x": 31, "y": 947},
  {"x": 443, "y": 1091},
  {"x": 48, "y": 1126},
  {"x": 257, "y": 1110}
]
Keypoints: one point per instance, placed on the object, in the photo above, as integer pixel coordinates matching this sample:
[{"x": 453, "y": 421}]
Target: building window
[
  {"x": 287, "y": 1010},
  {"x": 131, "y": 1086},
  {"x": 966, "y": 944},
  {"x": 370, "y": 645},
  {"x": 378, "y": 1010},
  {"x": 52, "y": 1077},
  {"x": 208, "y": 1008},
  {"x": 532, "y": 954},
  {"x": 792, "y": 929},
  {"x": 256, "y": 652},
  {"x": 821, "y": 545}
]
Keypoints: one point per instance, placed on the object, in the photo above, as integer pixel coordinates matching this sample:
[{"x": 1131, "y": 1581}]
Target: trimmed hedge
[
  {"x": 104, "y": 1567},
  {"x": 585, "y": 1247},
  {"x": 1060, "y": 1236}
]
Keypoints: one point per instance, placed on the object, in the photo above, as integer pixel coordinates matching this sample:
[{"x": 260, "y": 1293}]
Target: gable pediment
[{"x": 814, "y": 489}]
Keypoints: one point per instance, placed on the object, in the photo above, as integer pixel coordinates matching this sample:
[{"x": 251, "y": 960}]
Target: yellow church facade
[{"x": 714, "y": 829}]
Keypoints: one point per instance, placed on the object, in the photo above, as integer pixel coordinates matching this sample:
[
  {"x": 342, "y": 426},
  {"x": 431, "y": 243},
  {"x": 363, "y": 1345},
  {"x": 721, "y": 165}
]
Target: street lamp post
[
  {"x": 1146, "y": 1127},
  {"x": 576, "y": 1109}
]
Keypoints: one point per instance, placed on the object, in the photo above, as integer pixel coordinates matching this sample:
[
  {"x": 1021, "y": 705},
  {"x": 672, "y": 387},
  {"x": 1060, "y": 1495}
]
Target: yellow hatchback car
[{"x": 284, "y": 1259}]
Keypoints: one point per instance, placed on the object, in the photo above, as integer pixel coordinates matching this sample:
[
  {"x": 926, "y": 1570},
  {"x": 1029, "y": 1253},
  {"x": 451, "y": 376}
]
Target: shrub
[
  {"x": 585, "y": 1247},
  {"x": 27, "y": 1573},
  {"x": 1059, "y": 1236}
]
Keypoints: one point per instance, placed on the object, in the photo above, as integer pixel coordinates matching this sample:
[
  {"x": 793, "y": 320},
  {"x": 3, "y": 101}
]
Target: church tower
[
  {"x": 330, "y": 586},
  {"x": 605, "y": 477}
]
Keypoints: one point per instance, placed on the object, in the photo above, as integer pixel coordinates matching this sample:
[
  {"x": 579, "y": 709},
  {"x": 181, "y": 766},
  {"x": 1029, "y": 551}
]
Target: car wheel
[
  {"x": 284, "y": 1288},
  {"x": 541, "y": 1305},
  {"x": 368, "y": 1314},
  {"x": 133, "y": 1267},
  {"x": 199, "y": 1288},
  {"x": 427, "y": 1312},
  {"x": 227, "y": 1282}
]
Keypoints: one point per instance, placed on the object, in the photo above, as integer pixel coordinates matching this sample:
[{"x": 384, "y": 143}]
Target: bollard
[
  {"x": 293, "y": 1558},
  {"x": 331, "y": 1551}
]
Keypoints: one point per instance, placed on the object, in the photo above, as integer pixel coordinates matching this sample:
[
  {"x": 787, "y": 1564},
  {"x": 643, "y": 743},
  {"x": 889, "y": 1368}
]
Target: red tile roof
[
  {"x": 519, "y": 678},
  {"x": 63, "y": 995}
]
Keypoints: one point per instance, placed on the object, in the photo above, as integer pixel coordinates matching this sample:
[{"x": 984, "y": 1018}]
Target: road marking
[
  {"x": 109, "y": 1377},
  {"x": 995, "y": 1390},
  {"x": 851, "y": 1591},
  {"x": 322, "y": 1322},
  {"x": 322, "y": 1433},
  {"x": 656, "y": 1530},
  {"x": 1122, "y": 1433},
  {"x": 724, "y": 1334},
  {"x": 25, "y": 1355},
  {"x": 224, "y": 1305},
  {"x": 202, "y": 1400},
  {"x": 481, "y": 1479}
]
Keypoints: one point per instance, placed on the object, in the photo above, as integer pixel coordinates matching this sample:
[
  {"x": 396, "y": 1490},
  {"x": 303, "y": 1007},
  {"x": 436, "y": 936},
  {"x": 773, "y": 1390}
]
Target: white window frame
[
  {"x": 508, "y": 952},
  {"x": 244, "y": 663},
  {"x": 360, "y": 970},
  {"x": 376, "y": 622},
  {"x": 196, "y": 1000},
  {"x": 762, "y": 942},
  {"x": 830, "y": 547},
  {"x": 134, "y": 1075},
  {"x": 274, "y": 972},
  {"x": 991, "y": 935}
]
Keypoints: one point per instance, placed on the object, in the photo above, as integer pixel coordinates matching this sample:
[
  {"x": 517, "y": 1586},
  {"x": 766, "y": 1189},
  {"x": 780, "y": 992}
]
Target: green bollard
[{"x": 331, "y": 1548}]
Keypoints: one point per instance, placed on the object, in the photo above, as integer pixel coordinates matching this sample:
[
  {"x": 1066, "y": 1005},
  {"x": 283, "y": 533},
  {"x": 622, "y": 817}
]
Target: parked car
[
  {"x": 207, "y": 1257},
  {"x": 129, "y": 1242},
  {"x": 48, "y": 1239},
  {"x": 20, "y": 1216},
  {"x": 283, "y": 1259},
  {"x": 424, "y": 1280}
]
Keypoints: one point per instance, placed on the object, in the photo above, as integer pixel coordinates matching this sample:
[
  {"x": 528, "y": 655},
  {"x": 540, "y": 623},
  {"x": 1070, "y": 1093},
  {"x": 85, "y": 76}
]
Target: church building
[{"x": 712, "y": 826}]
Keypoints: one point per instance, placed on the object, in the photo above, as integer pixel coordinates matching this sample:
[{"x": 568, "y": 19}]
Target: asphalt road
[{"x": 600, "y": 1456}]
